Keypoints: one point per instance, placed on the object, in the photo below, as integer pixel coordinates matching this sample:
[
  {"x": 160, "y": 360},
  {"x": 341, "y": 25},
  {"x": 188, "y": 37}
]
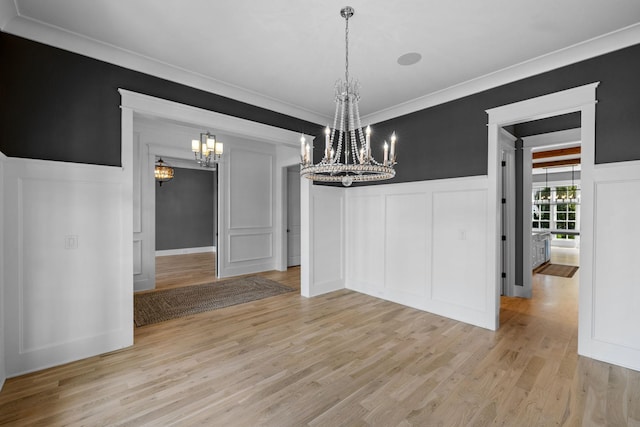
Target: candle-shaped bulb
[
  {"x": 393, "y": 147},
  {"x": 211, "y": 142},
  {"x": 302, "y": 147},
  {"x": 308, "y": 154},
  {"x": 386, "y": 154},
  {"x": 368, "y": 142},
  {"x": 327, "y": 141}
]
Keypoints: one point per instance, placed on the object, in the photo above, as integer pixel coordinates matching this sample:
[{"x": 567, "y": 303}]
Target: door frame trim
[
  {"x": 133, "y": 103},
  {"x": 581, "y": 99}
]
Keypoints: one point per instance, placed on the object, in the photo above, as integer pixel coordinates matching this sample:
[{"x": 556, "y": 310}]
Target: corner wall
[{"x": 323, "y": 238}]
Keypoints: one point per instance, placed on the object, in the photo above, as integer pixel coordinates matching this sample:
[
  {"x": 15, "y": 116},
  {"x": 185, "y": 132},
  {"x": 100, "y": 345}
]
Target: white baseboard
[{"x": 184, "y": 251}]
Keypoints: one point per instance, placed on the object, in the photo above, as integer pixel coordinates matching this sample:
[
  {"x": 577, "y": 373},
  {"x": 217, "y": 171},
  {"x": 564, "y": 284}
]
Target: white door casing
[
  {"x": 508, "y": 213},
  {"x": 144, "y": 245},
  {"x": 293, "y": 216}
]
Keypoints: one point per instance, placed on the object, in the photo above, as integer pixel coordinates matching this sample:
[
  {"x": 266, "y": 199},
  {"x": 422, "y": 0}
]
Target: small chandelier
[
  {"x": 356, "y": 163},
  {"x": 163, "y": 172},
  {"x": 207, "y": 150}
]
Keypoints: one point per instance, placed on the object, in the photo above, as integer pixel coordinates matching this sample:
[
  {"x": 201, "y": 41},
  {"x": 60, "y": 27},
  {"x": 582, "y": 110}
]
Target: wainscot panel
[
  {"x": 427, "y": 241},
  {"x": 613, "y": 333},
  {"x": 73, "y": 223}
]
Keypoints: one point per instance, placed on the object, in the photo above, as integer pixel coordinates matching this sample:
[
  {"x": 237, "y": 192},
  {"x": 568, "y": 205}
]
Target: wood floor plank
[{"x": 338, "y": 359}]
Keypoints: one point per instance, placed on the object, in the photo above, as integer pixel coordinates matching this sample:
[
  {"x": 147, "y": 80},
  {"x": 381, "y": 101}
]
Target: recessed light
[{"x": 409, "y": 58}]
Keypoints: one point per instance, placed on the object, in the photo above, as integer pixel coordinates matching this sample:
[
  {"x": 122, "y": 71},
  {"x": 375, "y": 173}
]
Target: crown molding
[
  {"x": 597, "y": 46},
  {"x": 11, "y": 22},
  {"x": 76, "y": 43},
  {"x": 8, "y": 11}
]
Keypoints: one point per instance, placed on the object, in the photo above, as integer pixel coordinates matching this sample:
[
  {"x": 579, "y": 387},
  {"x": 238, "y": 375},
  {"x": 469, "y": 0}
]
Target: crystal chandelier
[
  {"x": 355, "y": 163},
  {"x": 163, "y": 172},
  {"x": 207, "y": 150}
]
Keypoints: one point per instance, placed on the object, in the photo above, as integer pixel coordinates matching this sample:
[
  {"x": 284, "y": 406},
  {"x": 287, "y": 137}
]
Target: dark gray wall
[
  {"x": 450, "y": 140},
  {"x": 58, "y": 105},
  {"x": 550, "y": 124},
  {"x": 519, "y": 275},
  {"x": 73, "y": 100},
  {"x": 185, "y": 210}
]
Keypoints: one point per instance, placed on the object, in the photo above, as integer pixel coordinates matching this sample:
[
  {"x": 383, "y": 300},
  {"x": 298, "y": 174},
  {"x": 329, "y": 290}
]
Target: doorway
[
  {"x": 186, "y": 222},
  {"x": 176, "y": 231},
  {"x": 547, "y": 206},
  {"x": 581, "y": 99}
]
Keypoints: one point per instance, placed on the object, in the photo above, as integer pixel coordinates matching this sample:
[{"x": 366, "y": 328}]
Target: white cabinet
[{"x": 540, "y": 249}]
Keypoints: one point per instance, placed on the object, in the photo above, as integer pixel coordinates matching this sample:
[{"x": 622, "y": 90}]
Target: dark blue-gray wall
[
  {"x": 185, "y": 210},
  {"x": 73, "y": 101}
]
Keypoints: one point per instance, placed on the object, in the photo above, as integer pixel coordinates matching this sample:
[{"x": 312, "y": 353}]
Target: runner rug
[
  {"x": 559, "y": 270},
  {"x": 158, "y": 306}
]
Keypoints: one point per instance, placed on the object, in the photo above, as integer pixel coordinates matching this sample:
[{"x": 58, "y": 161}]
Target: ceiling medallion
[{"x": 355, "y": 163}]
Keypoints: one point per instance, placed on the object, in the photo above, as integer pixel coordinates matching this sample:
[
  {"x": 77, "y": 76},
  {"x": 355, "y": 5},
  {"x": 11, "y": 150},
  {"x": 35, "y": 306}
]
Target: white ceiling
[{"x": 287, "y": 54}]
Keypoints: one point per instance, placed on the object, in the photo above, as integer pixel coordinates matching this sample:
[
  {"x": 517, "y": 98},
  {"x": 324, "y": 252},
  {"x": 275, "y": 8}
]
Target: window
[{"x": 557, "y": 209}]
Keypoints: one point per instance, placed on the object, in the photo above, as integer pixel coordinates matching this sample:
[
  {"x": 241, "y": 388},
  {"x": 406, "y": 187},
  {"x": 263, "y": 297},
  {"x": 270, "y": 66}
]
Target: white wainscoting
[
  {"x": 68, "y": 262},
  {"x": 422, "y": 244},
  {"x": 610, "y": 293},
  {"x": 323, "y": 243},
  {"x": 3, "y": 371}
]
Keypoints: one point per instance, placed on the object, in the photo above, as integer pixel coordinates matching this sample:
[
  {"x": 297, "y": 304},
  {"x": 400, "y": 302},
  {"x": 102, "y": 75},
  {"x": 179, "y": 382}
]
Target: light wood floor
[
  {"x": 184, "y": 270},
  {"x": 340, "y": 359},
  {"x": 193, "y": 269}
]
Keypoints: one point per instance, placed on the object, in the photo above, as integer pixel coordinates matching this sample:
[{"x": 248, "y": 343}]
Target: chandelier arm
[
  {"x": 361, "y": 138},
  {"x": 352, "y": 133},
  {"x": 333, "y": 133},
  {"x": 341, "y": 131}
]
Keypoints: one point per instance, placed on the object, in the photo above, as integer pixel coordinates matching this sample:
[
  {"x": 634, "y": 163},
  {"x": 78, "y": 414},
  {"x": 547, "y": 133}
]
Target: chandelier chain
[{"x": 346, "y": 51}]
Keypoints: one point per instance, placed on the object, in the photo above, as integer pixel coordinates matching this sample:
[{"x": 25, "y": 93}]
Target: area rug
[
  {"x": 559, "y": 270},
  {"x": 158, "y": 306}
]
